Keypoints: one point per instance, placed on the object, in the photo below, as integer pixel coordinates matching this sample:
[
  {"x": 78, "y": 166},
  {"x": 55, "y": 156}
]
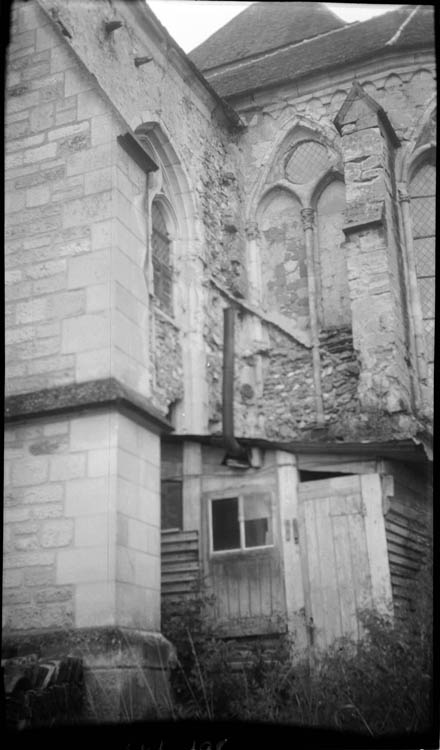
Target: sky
[{"x": 190, "y": 22}]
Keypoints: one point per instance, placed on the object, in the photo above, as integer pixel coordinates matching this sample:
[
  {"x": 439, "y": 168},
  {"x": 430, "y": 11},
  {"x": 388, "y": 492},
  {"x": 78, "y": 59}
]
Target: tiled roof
[
  {"x": 346, "y": 45},
  {"x": 261, "y": 27}
]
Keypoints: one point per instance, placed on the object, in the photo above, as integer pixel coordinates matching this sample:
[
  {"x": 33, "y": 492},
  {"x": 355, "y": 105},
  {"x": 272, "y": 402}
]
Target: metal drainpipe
[
  {"x": 421, "y": 367},
  {"x": 307, "y": 216},
  {"x": 233, "y": 448}
]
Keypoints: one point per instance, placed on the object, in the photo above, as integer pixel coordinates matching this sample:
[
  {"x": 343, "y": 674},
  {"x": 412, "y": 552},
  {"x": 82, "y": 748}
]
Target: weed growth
[{"x": 377, "y": 686}]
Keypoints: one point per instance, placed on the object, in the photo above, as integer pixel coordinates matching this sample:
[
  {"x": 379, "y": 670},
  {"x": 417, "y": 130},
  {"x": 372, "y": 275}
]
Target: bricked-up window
[
  {"x": 171, "y": 504},
  {"x": 171, "y": 485},
  {"x": 422, "y": 193},
  {"x": 335, "y": 296},
  {"x": 242, "y": 522},
  {"x": 161, "y": 257}
]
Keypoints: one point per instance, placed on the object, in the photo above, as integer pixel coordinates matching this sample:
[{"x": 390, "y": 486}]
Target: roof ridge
[
  {"x": 273, "y": 51},
  {"x": 261, "y": 27},
  {"x": 396, "y": 36},
  {"x": 192, "y": 51},
  {"x": 227, "y": 68}
]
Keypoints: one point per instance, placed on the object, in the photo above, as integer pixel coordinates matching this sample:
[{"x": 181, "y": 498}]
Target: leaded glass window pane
[
  {"x": 308, "y": 160},
  {"x": 422, "y": 192},
  {"x": 162, "y": 272}
]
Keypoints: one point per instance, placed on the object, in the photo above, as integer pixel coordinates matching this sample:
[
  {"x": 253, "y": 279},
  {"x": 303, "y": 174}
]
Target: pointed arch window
[
  {"x": 422, "y": 194},
  {"x": 161, "y": 259},
  {"x": 316, "y": 193}
]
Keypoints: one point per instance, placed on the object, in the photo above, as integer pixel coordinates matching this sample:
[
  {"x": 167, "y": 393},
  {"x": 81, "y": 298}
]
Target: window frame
[
  {"x": 160, "y": 202},
  {"x": 240, "y": 496},
  {"x": 427, "y": 156}
]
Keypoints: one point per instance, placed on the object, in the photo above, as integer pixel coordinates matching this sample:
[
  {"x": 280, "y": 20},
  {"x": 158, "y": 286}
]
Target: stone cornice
[{"x": 91, "y": 395}]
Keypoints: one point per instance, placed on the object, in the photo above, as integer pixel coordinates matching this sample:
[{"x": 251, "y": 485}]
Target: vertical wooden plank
[
  {"x": 243, "y": 591},
  {"x": 254, "y": 588},
  {"x": 344, "y": 575},
  {"x": 221, "y": 591},
  {"x": 377, "y": 543},
  {"x": 232, "y": 573},
  {"x": 288, "y": 583},
  {"x": 326, "y": 556},
  {"x": 360, "y": 566},
  {"x": 304, "y": 558},
  {"x": 314, "y": 574}
]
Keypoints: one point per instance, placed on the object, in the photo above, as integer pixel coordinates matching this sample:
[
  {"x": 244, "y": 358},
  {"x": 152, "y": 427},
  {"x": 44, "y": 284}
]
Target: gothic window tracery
[
  {"x": 161, "y": 258},
  {"x": 422, "y": 194},
  {"x": 306, "y": 166}
]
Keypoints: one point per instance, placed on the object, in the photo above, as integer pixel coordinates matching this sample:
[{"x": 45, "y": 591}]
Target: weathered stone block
[
  {"x": 16, "y": 515},
  {"x": 53, "y": 594},
  {"x": 73, "y": 566},
  {"x": 140, "y": 536},
  {"x": 28, "y": 559},
  {"x": 12, "y": 578},
  {"x": 45, "y": 493},
  {"x": 102, "y": 462},
  {"x": 98, "y": 181},
  {"x": 68, "y": 131},
  {"x": 98, "y": 297},
  {"x": 102, "y": 129},
  {"x": 76, "y": 81},
  {"x": 93, "y": 365},
  {"x": 37, "y": 196},
  {"x": 56, "y": 428},
  {"x": 86, "y": 210},
  {"x": 95, "y": 604},
  {"x": 95, "y": 269},
  {"x": 102, "y": 234},
  {"x": 39, "y": 576},
  {"x": 16, "y": 596},
  {"x": 66, "y": 305},
  {"x": 85, "y": 332},
  {"x": 42, "y": 270},
  {"x": 91, "y": 530},
  {"x": 92, "y": 432},
  {"x": 48, "y": 151},
  {"x": 139, "y": 568},
  {"x": 88, "y": 497},
  {"x": 28, "y": 312},
  {"x": 41, "y": 512},
  {"x": 56, "y": 533},
  {"x": 26, "y": 543},
  {"x": 89, "y": 161},
  {"x": 67, "y": 466},
  {"x": 31, "y": 471},
  {"x": 27, "y": 527},
  {"x": 47, "y": 286},
  {"x": 23, "y": 143}
]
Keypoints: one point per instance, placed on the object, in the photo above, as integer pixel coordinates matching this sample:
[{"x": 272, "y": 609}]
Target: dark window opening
[
  {"x": 225, "y": 524},
  {"x": 242, "y": 522},
  {"x": 314, "y": 476},
  {"x": 171, "y": 504},
  {"x": 256, "y": 532}
]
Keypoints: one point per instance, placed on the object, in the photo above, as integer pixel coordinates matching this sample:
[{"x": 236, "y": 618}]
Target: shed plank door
[{"x": 343, "y": 550}]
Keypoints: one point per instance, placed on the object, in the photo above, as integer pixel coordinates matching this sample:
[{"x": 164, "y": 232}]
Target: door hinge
[{"x": 295, "y": 531}]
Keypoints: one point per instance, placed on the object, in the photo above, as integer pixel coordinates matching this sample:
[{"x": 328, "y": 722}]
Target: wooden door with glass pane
[{"x": 243, "y": 563}]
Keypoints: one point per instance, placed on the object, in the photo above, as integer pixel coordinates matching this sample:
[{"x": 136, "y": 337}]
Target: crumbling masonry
[{"x": 286, "y": 170}]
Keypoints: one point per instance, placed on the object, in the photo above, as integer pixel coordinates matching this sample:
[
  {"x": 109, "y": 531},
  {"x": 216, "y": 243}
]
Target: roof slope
[
  {"x": 340, "y": 47},
  {"x": 261, "y": 27}
]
